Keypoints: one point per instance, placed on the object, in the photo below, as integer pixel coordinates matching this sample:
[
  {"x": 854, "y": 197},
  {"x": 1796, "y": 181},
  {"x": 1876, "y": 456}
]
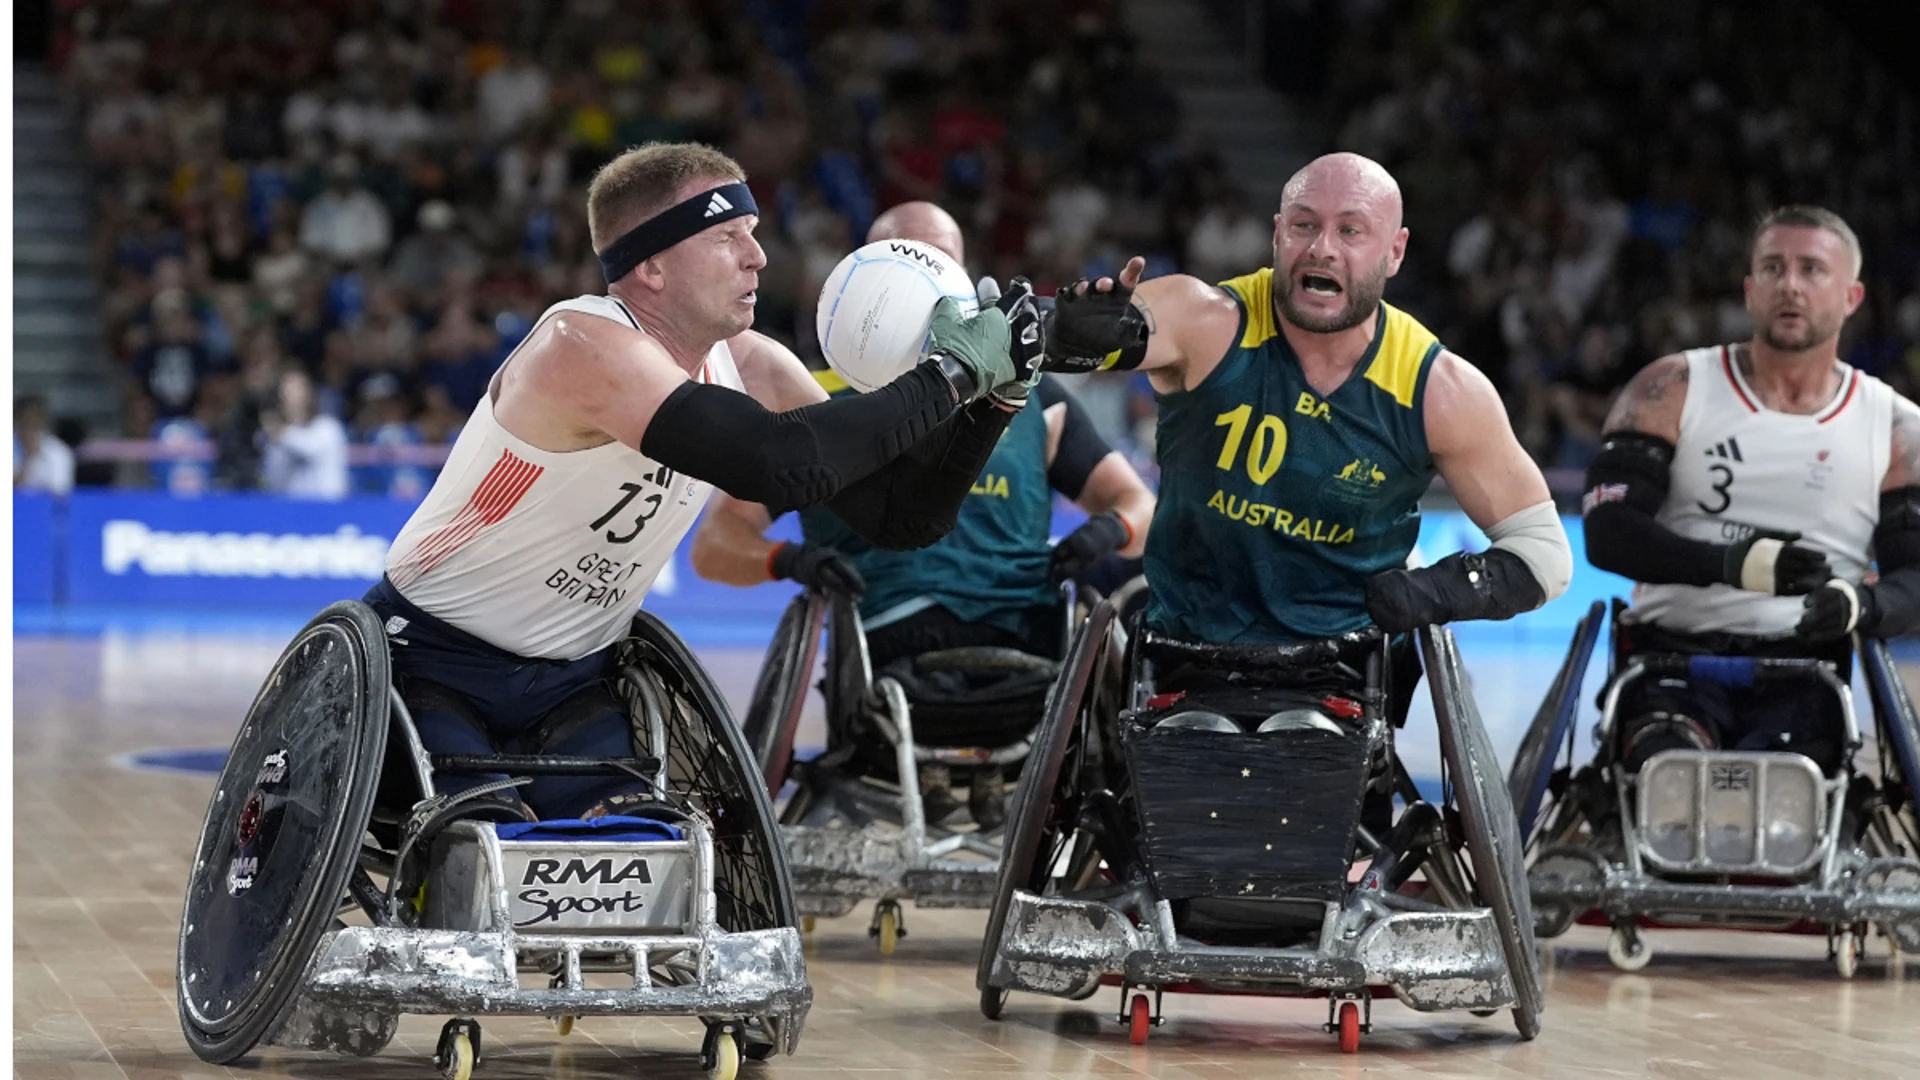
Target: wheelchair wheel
[
  {"x": 1047, "y": 808},
  {"x": 709, "y": 765},
  {"x": 283, "y": 832},
  {"x": 1486, "y": 812},
  {"x": 1533, "y": 763},
  {"x": 780, "y": 693},
  {"x": 1898, "y": 721}
]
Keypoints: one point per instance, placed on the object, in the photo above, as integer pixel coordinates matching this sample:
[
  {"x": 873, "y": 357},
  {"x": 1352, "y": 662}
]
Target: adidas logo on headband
[{"x": 718, "y": 205}]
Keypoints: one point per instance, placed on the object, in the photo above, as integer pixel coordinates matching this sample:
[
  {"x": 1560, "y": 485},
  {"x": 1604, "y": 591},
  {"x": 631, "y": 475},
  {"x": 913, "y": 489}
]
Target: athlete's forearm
[
  {"x": 916, "y": 499},
  {"x": 728, "y": 548}
]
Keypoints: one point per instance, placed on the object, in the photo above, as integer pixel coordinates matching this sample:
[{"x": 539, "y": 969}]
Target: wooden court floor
[{"x": 101, "y": 851}]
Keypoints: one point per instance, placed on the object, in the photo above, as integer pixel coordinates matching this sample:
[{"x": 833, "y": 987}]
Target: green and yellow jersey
[{"x": 1277, "y": 503}]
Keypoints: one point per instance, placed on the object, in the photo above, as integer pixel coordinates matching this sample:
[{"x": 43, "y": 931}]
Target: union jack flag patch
[{"x": 1605, "y": 493}]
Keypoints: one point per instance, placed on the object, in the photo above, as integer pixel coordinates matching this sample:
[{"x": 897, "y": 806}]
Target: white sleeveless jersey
[
  {"x": 1740, "y": 466},
  {"x": 547, "y": 554}
]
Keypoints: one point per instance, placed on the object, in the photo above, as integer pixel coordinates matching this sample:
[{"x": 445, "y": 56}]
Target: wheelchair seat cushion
[
  {"x": 620, "y": 828},
  {"x": 985, "y": 697}
]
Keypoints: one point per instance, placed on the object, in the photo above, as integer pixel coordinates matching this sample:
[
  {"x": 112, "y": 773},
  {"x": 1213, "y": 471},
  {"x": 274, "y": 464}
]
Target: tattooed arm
[
  {"x": 1652, "y": 401},
  {"x": 1903, "y": 465},
  {"x": 1627, "y": 485}
]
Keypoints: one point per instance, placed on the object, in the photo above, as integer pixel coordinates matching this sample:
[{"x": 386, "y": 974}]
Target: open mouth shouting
[{"x": 1315, "y": 283}]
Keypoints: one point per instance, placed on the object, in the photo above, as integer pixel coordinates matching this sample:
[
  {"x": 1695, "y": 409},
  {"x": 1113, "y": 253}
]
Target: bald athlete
[
  {"x": 992, "y": 580},
  {"x": 1301, "y": 419}
]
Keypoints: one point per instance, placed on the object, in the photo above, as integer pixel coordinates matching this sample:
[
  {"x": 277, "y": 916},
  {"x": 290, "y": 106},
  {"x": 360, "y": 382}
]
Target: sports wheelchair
[
  {"x": 318, "y": 910},
  {"x": 1722, "y": 838},
  {"x": 855, "y": 827},
  {"x": 1204, "y": 840}
]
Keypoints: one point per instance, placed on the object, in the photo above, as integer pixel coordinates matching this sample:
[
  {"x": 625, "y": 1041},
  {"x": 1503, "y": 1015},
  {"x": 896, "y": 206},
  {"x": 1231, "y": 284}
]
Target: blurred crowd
[
  {"x": 327, "y": 222},
  {"x": 1581, "y": 179}
]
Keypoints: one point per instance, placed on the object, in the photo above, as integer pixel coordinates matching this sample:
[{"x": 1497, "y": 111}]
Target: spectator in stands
[
  {"x": 1229, "y": 239},
  {"x": 41, "y": 462},
  {"x": 424, "y": 260},
  {"x": 305, "y": 456},
  {"x": 172, "y": 366},
  {"x": 383, "y": 423},
  {"x": 512, "y": 95},
  {"x": 345, "y": 223}
]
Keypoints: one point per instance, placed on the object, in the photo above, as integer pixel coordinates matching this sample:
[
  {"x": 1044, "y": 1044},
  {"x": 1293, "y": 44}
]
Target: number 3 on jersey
[
  {"x": 1269, "y": 447},
  {"x": 1723, "y": 479}
]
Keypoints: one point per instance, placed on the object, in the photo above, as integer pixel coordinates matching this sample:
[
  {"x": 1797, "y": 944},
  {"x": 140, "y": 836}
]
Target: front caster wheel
[
  {"x": 1627, "y": 950},
  {"x": 720, "y": 1054},
  {"x": 458, "y": 1050},
  {"x": 1349, "y": 1028}
]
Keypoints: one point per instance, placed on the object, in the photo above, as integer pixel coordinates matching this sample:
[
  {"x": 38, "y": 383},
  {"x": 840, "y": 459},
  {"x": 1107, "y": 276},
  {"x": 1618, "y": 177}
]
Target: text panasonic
[{"x": 344, "y": 553}]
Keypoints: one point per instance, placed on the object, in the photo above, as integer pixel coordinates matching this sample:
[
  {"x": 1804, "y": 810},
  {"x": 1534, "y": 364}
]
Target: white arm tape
[
  {"x": 1536, "y": 537},
  {"x": 1756, "y": 570}
]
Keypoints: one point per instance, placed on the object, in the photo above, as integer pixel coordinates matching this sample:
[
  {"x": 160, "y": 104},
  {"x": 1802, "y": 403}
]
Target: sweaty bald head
[
  {"x": 924, "y": 222},
  {"x": 1336, "y": 183},
  {"x": 1336, "y": 241}
]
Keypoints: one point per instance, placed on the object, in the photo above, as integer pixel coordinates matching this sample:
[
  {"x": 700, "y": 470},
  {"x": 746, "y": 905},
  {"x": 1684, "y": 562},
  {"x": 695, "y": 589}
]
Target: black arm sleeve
[
  {"x": 1081, "y": 446},
  {"x": 1626, "y": 484},
  {"x": 916, "y": 499},
  {"x": 1896, "y": 546},
  {"x": 800, "y": 457}
]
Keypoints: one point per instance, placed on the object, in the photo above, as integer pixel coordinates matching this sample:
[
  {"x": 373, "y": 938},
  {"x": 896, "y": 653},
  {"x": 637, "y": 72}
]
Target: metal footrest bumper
[
  {"x": 1576, "y": 881},
  {"x": 366, "y": 970},
  {"x": 833, "y": 869},
  {"x": 1430, "y": 960}
]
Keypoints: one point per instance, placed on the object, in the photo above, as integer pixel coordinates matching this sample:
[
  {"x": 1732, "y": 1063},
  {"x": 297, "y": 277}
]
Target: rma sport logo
[{"x": 344, "y": 553}]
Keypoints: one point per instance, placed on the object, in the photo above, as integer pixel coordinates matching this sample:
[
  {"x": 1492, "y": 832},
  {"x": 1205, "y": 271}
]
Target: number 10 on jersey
[{"x": 1269, "y": 446}]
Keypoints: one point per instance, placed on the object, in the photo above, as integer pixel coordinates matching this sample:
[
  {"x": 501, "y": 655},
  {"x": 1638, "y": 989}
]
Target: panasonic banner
[
  {"x": 234, "y": 551},
  {"x": 261, "y": 551}
]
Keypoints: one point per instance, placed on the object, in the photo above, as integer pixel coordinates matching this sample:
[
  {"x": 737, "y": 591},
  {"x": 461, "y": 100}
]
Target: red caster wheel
[
  {"x": 1349, "y": 1028},
  {"x": 1138, "y": 1022}
]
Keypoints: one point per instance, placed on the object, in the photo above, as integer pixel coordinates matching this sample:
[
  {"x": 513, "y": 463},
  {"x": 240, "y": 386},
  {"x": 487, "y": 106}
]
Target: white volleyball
[{"x": 877, "y": 305}]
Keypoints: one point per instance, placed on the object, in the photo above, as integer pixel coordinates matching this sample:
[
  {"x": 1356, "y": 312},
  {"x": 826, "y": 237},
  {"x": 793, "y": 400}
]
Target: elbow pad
[
  {"x": 1895, "y": 598},
  {"x": 1536, "y": 537},
  {"x": 1632, "y": 468}
]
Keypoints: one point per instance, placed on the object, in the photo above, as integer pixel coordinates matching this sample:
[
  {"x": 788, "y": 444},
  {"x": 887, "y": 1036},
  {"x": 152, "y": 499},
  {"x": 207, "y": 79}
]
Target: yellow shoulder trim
[
  {"x": 1255, "y": 291},
  {"x": 829, "y": 381},
  {"x": 1404, "y": 345}
]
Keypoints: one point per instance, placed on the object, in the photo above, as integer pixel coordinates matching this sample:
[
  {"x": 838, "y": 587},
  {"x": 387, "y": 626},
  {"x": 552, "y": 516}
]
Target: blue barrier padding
[{"x": 610, "y": 828}]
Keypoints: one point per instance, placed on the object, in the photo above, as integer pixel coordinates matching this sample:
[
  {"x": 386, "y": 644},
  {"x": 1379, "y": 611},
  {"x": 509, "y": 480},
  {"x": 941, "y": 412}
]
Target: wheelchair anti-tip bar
[{"x": 546, "y": 765}]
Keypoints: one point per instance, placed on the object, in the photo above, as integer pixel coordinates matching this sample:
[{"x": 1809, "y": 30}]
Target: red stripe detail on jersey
[
  {"x": 496, "y": 496},
  {"x": 1853, "y": 383},
  {"x": 1726, "y": 363}
]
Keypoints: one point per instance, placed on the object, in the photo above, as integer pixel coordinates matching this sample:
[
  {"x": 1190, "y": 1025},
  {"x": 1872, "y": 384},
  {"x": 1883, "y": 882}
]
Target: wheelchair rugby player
[
  {"x": 1203, "y": 786},
  {"x": 499, "y": 768},
  {"x": 1747, "y": 488},
  {"x": 938, "y": 659}
]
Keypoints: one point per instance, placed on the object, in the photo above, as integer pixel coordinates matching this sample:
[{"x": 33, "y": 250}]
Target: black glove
[
  {"x": 1837, "y": 609},
  {"x": 1768, "y": 561},
  {"x": 817, "y": 567},
  {"x": 1085, "y": 330},
  {"x": 1100, "y": 536},
  {"x": 1023, "y": 325},
  {"x": 1491, "y": 585}
]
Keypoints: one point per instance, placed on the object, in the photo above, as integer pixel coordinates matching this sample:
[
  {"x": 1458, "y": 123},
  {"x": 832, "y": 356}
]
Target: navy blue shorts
[{"x": 469, "y": 697}]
